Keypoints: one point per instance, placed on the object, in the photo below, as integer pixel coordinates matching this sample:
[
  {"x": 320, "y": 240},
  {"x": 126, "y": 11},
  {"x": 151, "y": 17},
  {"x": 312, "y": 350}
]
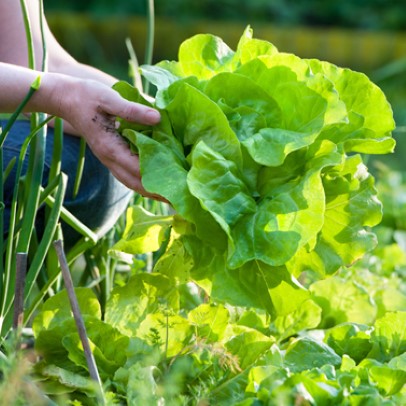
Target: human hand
[{"x": 91, "y": 109}]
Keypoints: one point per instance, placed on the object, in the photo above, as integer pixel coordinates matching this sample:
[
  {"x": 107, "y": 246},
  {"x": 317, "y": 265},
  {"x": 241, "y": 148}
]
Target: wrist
[{"x": 53, "y": 95}]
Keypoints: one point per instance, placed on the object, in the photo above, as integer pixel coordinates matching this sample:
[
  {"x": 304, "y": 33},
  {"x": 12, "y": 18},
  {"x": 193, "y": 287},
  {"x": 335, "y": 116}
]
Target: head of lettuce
[{"x": 259, "y": 153}]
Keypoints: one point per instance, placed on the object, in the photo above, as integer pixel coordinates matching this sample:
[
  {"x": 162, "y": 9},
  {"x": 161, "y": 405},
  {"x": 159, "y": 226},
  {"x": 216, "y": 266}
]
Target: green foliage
[
  {"x": 298, "y": 322},
  {"x": 265, "y": 180},
  {"x": 161, "y": 354}
]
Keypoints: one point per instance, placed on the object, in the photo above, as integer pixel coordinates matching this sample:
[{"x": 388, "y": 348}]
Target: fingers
[
  {"x": 115, "y": 154},
  {"x": 133, "y": 181},
  {"x": 130, "y": 111}
]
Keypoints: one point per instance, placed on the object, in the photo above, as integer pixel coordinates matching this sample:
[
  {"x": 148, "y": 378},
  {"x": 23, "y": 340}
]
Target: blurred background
[{"x": 364, "y": 35}]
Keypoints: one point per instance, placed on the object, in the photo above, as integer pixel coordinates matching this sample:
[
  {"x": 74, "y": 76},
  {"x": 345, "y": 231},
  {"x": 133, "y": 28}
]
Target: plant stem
[
  {"x": 80, "y": 166},
  {"x": 56, "y": 163},
  {"x": 9, "y": 275},
  {"x": 149, "y": 48},
  {"x": 49, "y": 234},
  {"x": 21, "y": 269},
  {"x": 91, "y": 363},
  {"x": 28, "y": 33},
  {"x": 34, "y": 86},
  {"x": 71, "y": 220},
  {"x": 134, "y": 66}
]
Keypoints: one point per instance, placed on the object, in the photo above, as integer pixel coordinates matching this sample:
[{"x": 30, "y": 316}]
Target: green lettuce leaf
[
  {"x": 306, "y": 353},
  {"x": 146, "y": 236},
  {"x": 389, "y": 336},
  {"x": 128, "y": 305},
  {"x": 343, "y": 301}
]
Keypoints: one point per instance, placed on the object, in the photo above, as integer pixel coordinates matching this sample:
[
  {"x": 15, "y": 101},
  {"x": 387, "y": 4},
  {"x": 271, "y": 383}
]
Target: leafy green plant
[
  {"x": 151, "y": 349},
  {"x": 258, "y": 153},
  {"x": 267, "y": 286},
  {"x": 345, "y": 344}
]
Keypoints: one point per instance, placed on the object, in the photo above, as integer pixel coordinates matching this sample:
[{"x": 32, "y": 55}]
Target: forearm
[
  {"x": 80, "y": 70},
  {"x": 15, "y": 82},
  {"x": 79, "y": 101}
]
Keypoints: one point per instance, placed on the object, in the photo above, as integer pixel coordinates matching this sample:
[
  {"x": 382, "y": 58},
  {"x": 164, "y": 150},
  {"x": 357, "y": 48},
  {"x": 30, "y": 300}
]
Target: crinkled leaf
[
  {"x": 175, "y": 263},
  {"x": 207, "y": 261},
  {"x": 130, "y": 304},
  {"x": 204, "y": 55},
  {"x": 68, "y": 380},
  {"x": 318, "y": 157},
  {"x": 342, "y": 301},
  {"x": 351, "y": 204},
  {"x": 303, "y": 109},
  {"x": 307, "y": 316},
  {"x": 388, "y": 380},
  {"x": 307, "y": 353},
  {"x": 389, "y": 336},
  {"x": 248, "y": 346},
  {"x": 398, "y": 362},
  {"x": 170, "y": 333},
  {"x": 217, "y": 183},
  {"x": 108, "y": 346},
  {"x": 282, "y": 224},
  {"x": 195, "y": 117},
  {"x": 270, "y": 146},
  {"x": 351, "y": 207},
  {"x": 144, "y": 231},
  {"x": 57, "y": 309},
  {"x": 210, "y": 321},
  {"x": 370, "y": 115},
  {"x": 237, "y": 92},
  {"x": 351, "y": 339},
  {"x": 174, "y": 187}
]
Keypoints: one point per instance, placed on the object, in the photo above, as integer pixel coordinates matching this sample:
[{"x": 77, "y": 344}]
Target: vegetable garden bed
[{"x": 268, "y": 285}]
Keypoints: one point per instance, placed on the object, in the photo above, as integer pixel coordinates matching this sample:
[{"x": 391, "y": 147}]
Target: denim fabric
[{"x": 101, "y": 198}]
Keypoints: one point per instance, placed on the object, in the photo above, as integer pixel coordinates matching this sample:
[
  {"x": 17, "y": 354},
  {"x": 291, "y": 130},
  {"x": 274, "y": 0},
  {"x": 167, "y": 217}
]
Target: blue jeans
[{"x": 101, "y": 198}]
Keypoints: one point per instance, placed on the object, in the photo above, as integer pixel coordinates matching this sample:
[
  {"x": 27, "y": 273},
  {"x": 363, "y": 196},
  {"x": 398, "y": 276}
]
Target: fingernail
[{"x": 153, "y": 116}]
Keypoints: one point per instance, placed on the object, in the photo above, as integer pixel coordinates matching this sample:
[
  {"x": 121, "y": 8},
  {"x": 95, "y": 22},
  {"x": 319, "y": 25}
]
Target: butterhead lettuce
[{"x": 258, "y": 152}]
